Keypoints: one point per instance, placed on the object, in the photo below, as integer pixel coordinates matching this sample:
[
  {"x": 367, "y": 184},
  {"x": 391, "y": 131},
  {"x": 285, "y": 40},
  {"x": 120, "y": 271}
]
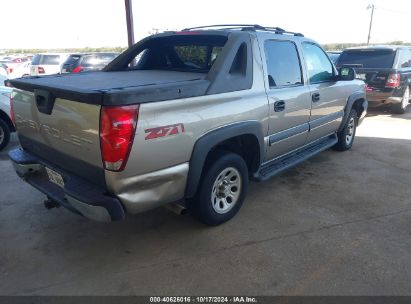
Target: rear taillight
[
  {"x": 117, "y": 128},
  {"x": 393, "y": 81},
  {"x": 11, "y": 109},
  {"x": 77, "y": 69},
  {"x": 40, "y": 70}
]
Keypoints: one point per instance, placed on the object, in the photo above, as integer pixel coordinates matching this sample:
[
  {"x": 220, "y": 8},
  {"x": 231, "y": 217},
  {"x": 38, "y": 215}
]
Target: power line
[{"x": 392, "y": 11}]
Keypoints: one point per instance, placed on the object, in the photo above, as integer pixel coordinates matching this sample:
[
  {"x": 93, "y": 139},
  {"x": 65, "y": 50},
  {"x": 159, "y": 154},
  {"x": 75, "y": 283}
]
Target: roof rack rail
[{"x": 245, "y": 27}]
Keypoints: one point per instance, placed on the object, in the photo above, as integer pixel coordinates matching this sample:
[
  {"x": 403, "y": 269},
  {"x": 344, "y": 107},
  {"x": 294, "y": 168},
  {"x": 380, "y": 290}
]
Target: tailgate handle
[
  {"x": 316, "y": 97},
  {"x": 279, "y": 106},
  {"x": 44, "y": 101}
]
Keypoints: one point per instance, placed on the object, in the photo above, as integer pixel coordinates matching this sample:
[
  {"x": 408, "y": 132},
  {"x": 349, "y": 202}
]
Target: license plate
[{"x": 55, "y": 177}]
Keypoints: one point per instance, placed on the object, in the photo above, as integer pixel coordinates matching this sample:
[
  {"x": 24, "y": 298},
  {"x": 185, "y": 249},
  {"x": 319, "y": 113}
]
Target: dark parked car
[
  {"x": 77, "y": 63},
  {"x": 387, "y": 72},
  {"x": 334, "y": 55}
]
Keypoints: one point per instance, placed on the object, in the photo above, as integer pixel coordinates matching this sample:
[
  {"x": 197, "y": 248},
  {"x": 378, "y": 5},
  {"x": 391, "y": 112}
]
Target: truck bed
[{"x": 122, "y": 87}]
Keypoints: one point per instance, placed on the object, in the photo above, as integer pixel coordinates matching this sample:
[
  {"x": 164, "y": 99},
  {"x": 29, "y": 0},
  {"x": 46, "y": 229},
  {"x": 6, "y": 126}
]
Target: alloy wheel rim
[
  {"x": 406, "y": 98},
  {"x": 350, "y": 132},
  {"x": 226, "y": 190},
  {"x": 1, "y": 135}
]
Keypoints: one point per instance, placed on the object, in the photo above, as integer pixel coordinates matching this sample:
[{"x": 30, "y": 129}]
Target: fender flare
[
  {"x": 350, "y": 102},
  {"x": 204, "y": 145}
]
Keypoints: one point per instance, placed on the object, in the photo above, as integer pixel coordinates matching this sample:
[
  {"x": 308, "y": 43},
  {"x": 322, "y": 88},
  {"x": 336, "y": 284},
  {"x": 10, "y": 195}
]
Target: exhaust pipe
[
  {"x": 176, "y": 208},
  {"x": 50, "y": 204}
]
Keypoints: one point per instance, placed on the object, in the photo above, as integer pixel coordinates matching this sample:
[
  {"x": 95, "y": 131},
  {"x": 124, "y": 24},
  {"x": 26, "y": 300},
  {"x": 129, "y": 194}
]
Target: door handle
[
  {"x": 279, "y": 106},
  {"x": 315, "y": 97}
]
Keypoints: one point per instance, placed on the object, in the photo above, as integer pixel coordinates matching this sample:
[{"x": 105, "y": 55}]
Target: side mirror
[{"x": 347, "y": 74}]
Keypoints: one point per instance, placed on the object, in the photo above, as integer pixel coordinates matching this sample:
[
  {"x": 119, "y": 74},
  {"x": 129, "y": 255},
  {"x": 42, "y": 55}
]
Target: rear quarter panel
[{"x": 195, "y": 118}]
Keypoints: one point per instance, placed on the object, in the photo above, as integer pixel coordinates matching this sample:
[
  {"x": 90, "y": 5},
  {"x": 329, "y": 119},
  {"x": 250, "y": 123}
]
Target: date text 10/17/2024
[{"x": 201, "y": 299}]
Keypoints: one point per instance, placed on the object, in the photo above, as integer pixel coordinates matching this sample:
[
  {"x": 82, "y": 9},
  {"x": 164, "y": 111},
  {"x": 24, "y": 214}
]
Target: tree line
[{"x": 119, "y": 49}]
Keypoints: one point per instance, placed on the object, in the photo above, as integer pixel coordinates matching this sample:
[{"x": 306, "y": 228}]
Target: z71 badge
[{"x": 164, "y": 131}]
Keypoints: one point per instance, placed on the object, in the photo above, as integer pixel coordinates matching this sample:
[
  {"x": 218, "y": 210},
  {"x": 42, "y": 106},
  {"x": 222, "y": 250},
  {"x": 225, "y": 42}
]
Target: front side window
[
  {"x": 319, "y": 67},
  {"x": 283, "y": 64}
]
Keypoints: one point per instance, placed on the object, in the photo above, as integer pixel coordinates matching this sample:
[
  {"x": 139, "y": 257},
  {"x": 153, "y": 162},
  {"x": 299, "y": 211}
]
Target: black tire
[
  {"x": 4, "y": 134},
  {"x": 400, "y": 108},
  {"x": 214, "y": 213},
  {"x": 347, "y": 134}
]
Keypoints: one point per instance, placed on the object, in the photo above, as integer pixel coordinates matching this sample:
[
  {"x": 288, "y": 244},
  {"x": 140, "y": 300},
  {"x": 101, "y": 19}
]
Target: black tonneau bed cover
[{"x": 118, "y": 87}]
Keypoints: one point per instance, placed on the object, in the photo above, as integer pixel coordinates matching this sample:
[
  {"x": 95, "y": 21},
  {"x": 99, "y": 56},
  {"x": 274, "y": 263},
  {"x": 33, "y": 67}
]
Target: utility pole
[
  {"x": 372, "y": 7},
  {"x": 129, "y": 20}
]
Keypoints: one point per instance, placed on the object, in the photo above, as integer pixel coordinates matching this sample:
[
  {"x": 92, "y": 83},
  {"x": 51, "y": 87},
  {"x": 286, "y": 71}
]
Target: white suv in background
[
  {"x": 6, "y": 125},
  {"x": 47, "y": 64}
]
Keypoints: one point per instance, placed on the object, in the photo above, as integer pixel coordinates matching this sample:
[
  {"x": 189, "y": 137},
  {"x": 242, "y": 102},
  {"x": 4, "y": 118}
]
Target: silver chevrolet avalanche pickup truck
[{"x": 183, "y": 118}]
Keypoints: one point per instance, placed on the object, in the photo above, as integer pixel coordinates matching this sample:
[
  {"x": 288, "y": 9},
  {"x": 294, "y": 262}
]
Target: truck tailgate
[
  {"x": 58, "y": 117},
  {"x": 118, "y": 88},
  {"x": 68, "y": 137}
]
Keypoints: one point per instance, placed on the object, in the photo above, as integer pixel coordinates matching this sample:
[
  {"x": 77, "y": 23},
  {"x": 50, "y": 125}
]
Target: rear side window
[
  {"x": 283, "y": 64},
  {"x": 50, "y": 59},
  {"x": 319, "y": 66},
  {"x": 46, "y": 59},
  {"x": 72, "y": 59},
  {"x": 36, "y": 59},
  {"x": 367, "y": 59},
  {"x": 404, "y": 60}
]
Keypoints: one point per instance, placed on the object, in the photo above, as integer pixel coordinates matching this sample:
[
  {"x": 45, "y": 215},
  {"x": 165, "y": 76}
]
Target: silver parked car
[{"x": 47, "y": 64}]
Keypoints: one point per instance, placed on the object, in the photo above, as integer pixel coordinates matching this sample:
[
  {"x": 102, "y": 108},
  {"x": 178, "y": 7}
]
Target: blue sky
[{"x": 93, "y": 23}]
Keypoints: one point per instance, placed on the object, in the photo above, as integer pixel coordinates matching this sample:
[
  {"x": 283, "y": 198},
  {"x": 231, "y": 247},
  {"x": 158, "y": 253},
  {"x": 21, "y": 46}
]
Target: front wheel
[
  {"x": 222, "y": 189},
  {"x": 4, "y": 134},
  {"x": 347, "y": 134}
]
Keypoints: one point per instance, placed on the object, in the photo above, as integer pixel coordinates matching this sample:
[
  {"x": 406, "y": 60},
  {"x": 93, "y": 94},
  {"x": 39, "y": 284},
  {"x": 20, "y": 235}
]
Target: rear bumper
[
  {"x": 376, "y": 98},
  {"x": 77, "y": 195}
]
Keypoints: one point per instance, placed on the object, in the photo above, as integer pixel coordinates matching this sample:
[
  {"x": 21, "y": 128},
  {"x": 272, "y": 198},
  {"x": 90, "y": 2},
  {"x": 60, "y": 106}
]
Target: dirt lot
[{"x": 338, "y": 224}]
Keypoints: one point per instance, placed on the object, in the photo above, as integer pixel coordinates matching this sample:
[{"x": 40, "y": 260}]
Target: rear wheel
[
  {"x": 401, "y": 107},
  {"x": 222, "y": 189},
  {"x": 347, "y": 134},
  {"x": 4, "y": 134}
]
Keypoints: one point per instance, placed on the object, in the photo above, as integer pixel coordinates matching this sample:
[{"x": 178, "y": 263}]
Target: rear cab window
[
  {"x": 194, "y": 53},
  {"x": 367, "y": 58},
  {"x": 197, "y": 56},
  {"x": 283, "y": 64}
]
